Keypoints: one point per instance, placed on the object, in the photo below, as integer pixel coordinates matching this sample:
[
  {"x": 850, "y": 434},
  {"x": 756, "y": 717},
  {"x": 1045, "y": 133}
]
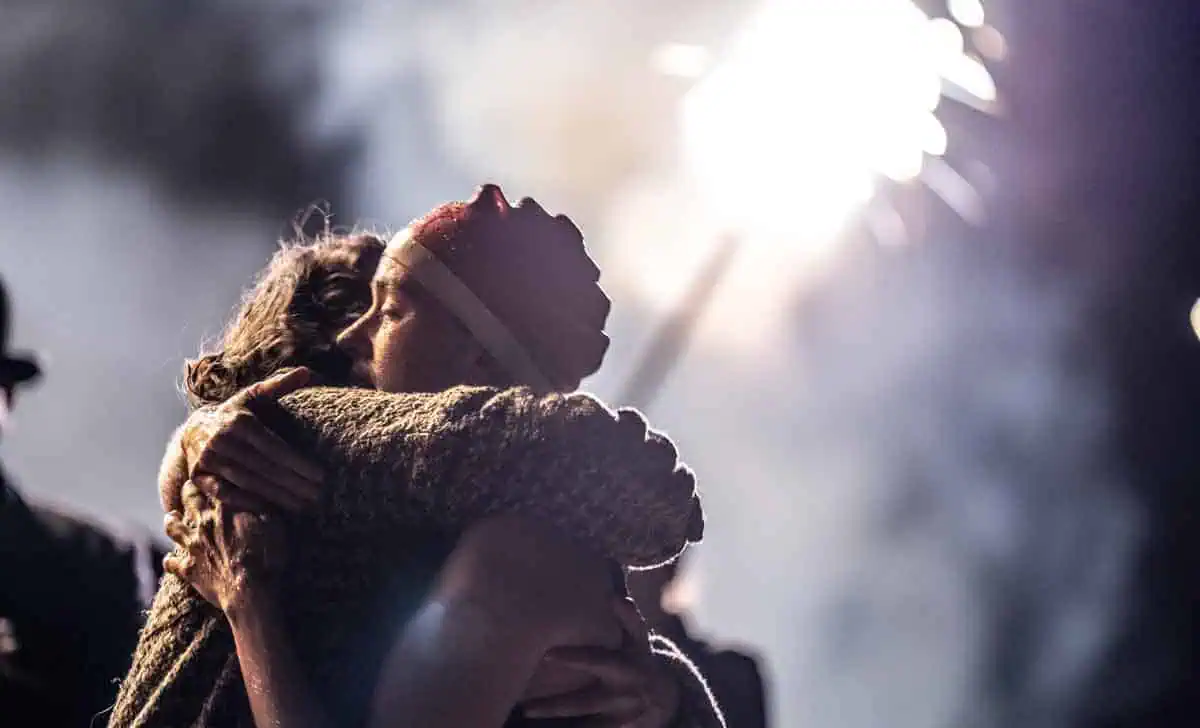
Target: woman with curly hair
[{"x": 478, "y": 293}]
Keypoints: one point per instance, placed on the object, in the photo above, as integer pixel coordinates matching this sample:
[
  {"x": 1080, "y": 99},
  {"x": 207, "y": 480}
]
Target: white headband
[{"x": 491, "y": 333}]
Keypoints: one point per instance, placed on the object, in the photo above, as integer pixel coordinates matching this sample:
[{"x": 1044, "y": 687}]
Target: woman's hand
[
  {"x": 630, "y": 687},
  {"x": 255, "y": 469},
  {"x": 230, "y": 557}
]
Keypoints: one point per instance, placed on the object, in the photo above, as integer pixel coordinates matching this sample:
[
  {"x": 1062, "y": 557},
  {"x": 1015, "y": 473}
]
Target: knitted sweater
[{"x": 408, "y": 474}]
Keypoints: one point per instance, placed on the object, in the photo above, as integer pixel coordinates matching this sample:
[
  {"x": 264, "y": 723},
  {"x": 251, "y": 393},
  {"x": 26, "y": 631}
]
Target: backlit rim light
[{"x": 813, "y": 103}]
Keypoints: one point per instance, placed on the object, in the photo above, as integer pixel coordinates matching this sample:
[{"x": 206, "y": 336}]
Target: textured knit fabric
[{"x": 408, "y": 474}]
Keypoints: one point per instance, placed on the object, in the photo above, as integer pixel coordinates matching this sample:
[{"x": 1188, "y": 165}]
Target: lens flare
[
  {"x": 815, "y": 102},
  {"x": 968, "y": 12},
  {"x": 786, "y": 138}
]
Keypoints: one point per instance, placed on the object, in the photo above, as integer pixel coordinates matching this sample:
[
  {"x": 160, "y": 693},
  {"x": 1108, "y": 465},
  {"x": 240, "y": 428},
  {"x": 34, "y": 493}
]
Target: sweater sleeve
[
  {"x": 446, "y": 460},
  {"x": 697, "y": 706}
]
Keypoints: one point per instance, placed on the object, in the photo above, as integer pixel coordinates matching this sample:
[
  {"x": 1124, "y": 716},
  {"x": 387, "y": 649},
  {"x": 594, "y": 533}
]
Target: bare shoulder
[
  {"x": 527, "y": 572},
  {"x": 517, "y": 550}
]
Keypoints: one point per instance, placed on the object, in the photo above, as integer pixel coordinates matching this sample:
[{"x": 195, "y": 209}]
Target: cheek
[
  {"x": 419, "y": 353},
  {"x": 387, "y": 348}
]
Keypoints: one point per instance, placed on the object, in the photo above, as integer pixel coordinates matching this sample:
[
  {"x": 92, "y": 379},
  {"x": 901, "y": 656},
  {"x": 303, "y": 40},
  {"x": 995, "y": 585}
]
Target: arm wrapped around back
[{"x": 409, "y": 473}]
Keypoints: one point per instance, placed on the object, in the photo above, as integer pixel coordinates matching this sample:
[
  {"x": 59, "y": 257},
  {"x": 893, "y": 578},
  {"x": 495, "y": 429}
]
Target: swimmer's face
[{"x": 407, "y": 341}]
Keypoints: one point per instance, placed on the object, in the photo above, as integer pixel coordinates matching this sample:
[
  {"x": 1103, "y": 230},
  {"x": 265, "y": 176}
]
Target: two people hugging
[{"x": 390, "y": 508}]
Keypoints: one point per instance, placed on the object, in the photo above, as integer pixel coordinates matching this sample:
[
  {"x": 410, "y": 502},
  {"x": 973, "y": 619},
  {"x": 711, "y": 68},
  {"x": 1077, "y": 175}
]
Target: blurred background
[{"x": 908, "y": 282}]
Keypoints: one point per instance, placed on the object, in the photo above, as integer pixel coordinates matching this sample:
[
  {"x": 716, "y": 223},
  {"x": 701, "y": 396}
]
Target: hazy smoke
[
  {"x": 149, "y": 156},
  {"x": 114, "y": 283},
  {"x": 557, "y": 99},
  {"x": 915, "y": 487},
  {"x": 201, "y": 97},
  {"x": 912, "y": 514}
]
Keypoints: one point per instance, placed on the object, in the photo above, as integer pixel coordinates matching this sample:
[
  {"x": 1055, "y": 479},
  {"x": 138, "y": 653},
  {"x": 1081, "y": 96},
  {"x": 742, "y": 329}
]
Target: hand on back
[
  {"x": 629, "y": 687},
  {"x": 253, "y": 469},
  {"x": 230, "y": 557}
]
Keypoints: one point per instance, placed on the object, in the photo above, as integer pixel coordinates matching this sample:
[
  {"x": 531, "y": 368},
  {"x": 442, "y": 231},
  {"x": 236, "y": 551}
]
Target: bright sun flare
[
  {"x": 785, "y": 138},
  {"x": 812, "y": 103}
]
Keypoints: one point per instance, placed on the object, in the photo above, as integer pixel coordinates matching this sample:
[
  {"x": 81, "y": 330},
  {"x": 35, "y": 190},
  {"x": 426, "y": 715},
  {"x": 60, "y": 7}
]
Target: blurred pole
[{"x": 671, "y": 339}]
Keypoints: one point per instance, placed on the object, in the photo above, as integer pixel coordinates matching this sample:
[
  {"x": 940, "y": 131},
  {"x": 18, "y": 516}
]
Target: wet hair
[{"x": 309, "y": 292}]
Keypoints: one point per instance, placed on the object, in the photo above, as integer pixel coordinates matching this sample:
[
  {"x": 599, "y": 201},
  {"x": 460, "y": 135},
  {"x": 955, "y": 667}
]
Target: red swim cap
[{"x": 532, "y": 271}]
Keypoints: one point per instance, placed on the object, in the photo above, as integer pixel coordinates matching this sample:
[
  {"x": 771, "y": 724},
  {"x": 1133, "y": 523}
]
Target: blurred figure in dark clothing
[
  {"x": 733, "y": 676},
  {"x": 71, "y": 596}
]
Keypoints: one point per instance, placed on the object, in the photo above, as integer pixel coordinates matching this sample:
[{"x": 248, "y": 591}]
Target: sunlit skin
[{"x": 381, "y": 342}]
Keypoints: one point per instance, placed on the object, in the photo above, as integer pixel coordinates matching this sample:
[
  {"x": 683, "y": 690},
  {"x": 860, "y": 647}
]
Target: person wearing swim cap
[
  {"x": 495, "y": 294},
  {"x": 479, "y": 292}
]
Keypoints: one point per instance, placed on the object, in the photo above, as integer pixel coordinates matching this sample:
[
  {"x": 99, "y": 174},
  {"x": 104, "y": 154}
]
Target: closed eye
[
  {"x": 390, "y": 299},
  {"x": 394, "y": 312}
]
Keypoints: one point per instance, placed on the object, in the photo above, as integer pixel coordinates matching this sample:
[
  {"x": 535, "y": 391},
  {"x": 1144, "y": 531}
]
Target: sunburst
[
  {"x": 818, "y": 107},
  {"x": 822, "y": 115}
]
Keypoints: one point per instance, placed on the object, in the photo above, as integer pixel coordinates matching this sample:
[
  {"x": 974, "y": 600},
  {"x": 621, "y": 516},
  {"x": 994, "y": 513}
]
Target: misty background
[{"x": 934, "y": 467}]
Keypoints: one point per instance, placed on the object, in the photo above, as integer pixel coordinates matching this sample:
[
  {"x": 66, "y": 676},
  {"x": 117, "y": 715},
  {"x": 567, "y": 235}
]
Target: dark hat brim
[{"x": 18, "y": 369}]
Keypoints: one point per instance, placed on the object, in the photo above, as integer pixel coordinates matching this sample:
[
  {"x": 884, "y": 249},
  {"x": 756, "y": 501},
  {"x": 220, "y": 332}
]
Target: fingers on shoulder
[{"x": 278, "y": 385}]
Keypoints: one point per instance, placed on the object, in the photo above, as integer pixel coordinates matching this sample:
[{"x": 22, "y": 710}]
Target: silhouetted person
[
  {"x": 733, "y": 676},
  {"x": 71, "y": 596}
]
